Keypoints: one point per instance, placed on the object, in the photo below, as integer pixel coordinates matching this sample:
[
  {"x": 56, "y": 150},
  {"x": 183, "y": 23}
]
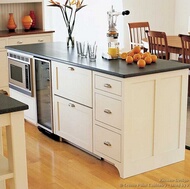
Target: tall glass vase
[{"x": 70, "y": 41}]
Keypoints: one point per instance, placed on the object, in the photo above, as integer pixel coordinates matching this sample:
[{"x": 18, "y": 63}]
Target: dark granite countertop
[
  {"x": 58, "y": 51},
  {"x": 8, "y": 105}
]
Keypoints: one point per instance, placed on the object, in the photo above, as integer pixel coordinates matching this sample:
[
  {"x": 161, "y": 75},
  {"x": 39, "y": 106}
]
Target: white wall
[
  {"x": 91, "y": 22},
  {"x": 159, "y": 13},
  {"x": 170, "y": 16},
  {"x": 182, "y": 13}
]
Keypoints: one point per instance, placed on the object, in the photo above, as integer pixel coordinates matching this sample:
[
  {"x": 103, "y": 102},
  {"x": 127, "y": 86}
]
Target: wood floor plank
[{"x": 58, "y": 165}]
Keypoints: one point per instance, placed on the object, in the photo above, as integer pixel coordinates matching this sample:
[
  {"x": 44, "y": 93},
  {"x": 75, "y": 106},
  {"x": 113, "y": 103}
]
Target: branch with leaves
[{"x": 68, "y": 10}]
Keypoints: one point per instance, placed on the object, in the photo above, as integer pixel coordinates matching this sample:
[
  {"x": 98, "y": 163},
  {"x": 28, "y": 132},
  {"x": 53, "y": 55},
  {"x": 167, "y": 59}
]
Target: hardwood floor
[{"x": 58, "y": 165}]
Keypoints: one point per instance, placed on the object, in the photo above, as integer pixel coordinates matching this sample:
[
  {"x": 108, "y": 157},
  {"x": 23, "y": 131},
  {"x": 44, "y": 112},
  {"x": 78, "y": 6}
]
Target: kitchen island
[
  {"x": 14, "y": 166},
  {"x": 133, "y": 118}
]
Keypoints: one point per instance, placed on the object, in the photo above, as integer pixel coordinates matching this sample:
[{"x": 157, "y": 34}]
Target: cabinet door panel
[
  {"x": 169, "y": 116},
  {"x": 30, "y": 114},
  {"x": 73, "y": 83},
  {"x": 73, "y": 122},
  {"x": 3, "y": 69},
  {"x": 3, "y": 43}
]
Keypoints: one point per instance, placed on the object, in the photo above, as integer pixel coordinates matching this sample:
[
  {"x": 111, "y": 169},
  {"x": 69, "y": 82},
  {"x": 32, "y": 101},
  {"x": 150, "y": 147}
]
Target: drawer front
[
  {"x": 108, "y": 110},
  {"x": 108, "y": 85},
  {"x": 29, "y": 39},
  {"x": 3, "y": 43},
  {"x": 107, "y": 143},
  {"x": 18, "y": 40},
  {"x": 73, "y": 122},
  {"x": 72, "y": 83},
  {"x": 41, "y": 38}
]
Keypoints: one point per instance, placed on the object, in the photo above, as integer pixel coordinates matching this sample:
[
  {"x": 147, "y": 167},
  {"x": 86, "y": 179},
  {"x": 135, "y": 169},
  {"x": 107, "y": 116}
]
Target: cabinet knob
[
  {"x": 71, "y": 68},
  {"x": 107, "y": 85},
  {"x": 107, "y": 143},
  {"x": 40, "y": 40},
  {"x": 107, "y": 111},
  {"x": 71, "y": 105},
  {"x": 19, "y": 42}
]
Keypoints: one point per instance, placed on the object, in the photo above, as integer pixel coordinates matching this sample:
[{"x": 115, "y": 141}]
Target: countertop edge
[
  {"x": 10, "y": 105},
  {"x": 121, "y": 74}
]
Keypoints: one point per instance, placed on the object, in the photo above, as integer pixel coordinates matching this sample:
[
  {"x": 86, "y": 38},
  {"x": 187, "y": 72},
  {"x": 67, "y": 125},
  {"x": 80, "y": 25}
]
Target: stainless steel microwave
[{"x": 20, "y": 72}]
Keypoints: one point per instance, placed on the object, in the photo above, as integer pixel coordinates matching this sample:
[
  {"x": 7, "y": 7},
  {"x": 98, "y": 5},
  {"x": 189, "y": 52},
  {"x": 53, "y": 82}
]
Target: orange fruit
[
  {"x": 148, "y": 60},
  {"x": 136, "y": 57},
  {"x": 129, "y": 59},
  {"x": 123, "y": 55},
  {"x": 137, "y": 49},
  {"x": 141, "y": 63},
  {"x": 145, "y": 55},
  {"x": 130, "y": 53},
  {"x": 148, "y": 53},
  {"x": 154, "y": 58}
]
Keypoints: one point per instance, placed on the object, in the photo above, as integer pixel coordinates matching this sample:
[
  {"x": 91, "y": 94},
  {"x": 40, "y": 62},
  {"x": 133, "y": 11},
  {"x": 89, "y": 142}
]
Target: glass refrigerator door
[{"x": 43, "y": 93}]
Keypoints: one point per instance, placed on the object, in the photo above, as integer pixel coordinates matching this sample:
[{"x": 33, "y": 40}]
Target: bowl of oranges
[{"x": 136, "y": 56}]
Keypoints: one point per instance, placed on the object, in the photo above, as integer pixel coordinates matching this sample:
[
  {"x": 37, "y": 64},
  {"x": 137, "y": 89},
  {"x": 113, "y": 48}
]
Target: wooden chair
[
  {"x": 158, "y": 44},
  {"x": 137, "y": 31},
  {"x": 185, "y": 42}
]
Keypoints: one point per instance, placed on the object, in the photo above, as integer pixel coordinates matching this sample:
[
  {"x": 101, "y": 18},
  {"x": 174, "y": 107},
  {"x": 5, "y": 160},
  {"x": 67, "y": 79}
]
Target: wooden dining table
[{"x": 174, "y": 44}]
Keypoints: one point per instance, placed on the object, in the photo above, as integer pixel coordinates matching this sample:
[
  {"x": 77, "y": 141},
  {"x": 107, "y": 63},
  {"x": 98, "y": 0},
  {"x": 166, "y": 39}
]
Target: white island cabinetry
[
  {"x": 72, "y": 99},
  {"x": 139, "y": 122}
]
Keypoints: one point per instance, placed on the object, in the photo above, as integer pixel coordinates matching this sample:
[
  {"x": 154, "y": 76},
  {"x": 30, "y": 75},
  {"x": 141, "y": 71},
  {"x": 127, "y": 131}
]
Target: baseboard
[{"x": 187, "y": 147}]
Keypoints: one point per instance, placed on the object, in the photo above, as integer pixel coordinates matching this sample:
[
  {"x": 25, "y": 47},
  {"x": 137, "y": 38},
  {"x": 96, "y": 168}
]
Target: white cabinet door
[
  {"x": 73, "y": 122},
  {"x": 30, "y": 114},
  {"x": 72, "y": 82},
  {"x": 3, "y": 69}
]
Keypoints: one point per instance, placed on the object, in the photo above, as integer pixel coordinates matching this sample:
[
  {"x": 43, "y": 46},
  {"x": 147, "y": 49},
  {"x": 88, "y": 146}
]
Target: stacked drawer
[
  {"x": 107, "y": 116},
  {"x": 72, "y": 97}
]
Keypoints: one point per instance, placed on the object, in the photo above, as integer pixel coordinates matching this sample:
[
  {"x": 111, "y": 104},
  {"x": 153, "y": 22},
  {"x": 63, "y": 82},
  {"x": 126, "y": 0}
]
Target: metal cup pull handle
[
  {"x": 107, "y": 85},
  {"x": 71, "y": 105},
  {"x": 107, "y": 143},
  {"x": 107, "y": 111},
  {"x": 71, "y": 68}
]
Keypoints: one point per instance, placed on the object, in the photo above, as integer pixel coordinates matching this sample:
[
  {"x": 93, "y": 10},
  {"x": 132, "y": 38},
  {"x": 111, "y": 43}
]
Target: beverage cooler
[{"x": 44, "y": 96}]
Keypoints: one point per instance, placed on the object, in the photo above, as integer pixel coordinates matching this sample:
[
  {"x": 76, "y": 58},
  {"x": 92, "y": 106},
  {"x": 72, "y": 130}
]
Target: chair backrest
[
  {"x": 158, "y": 44},
  {"x": 185, "y": 42},
  {"x": 137, "y": 31}
]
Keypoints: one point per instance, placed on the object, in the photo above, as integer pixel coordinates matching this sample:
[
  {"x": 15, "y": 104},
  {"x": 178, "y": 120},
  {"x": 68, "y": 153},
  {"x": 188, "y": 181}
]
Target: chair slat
[
  {"x": 158, "y": 44},
  {"x": 137, "y": 31},
  {"x": 185, "y": 41}
]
